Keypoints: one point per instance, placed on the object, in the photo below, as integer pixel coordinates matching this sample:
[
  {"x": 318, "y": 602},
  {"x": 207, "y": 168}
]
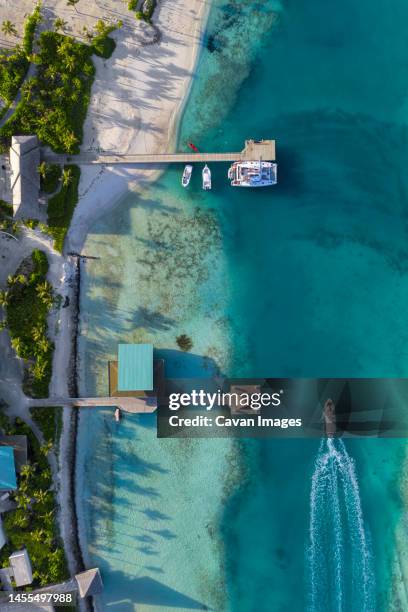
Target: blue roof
[
  {"x": 7, "y": 468},
  {"x": 135, "y": 367}
]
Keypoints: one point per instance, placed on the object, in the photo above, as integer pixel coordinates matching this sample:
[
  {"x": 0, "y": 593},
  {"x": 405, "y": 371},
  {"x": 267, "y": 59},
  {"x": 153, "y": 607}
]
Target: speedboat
[
  {"x": 206, "y": 178},
  {"x": 188, "y": 171},
  {"x": 253, "y": 174}
]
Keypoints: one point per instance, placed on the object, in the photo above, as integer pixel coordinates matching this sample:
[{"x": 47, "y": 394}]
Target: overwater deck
[{"x": 253, "y": 151}]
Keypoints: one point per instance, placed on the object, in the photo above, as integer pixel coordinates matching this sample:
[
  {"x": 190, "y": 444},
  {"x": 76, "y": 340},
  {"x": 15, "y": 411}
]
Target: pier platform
[
  {"x": 254, "y": 150},
  {"x": 126, "y": 404}
]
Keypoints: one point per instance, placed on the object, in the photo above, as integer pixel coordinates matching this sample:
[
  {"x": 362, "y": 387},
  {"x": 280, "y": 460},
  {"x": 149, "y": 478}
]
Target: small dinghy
[
  {"x": 188, "y": 171},
  {"x": 206, "y": 178}
]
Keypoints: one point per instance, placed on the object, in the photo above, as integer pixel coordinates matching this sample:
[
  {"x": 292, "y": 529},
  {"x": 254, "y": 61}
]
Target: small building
[
  {"x": 20, "y": 565},
  {"x": 19, "y": 445},
  {"x": 8, "y": 481},
  {"x": 25, "y": 178},
  {"x": 89, "y": 582},
  {"x": 135, "y": 367}
]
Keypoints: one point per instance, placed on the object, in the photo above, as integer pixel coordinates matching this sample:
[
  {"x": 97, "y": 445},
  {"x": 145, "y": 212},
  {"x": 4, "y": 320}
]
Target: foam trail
[{"x": 340, "y": 564}]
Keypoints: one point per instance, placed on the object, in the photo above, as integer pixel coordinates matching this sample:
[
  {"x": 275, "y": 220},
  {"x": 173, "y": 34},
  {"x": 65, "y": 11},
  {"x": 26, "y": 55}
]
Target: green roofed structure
[
  {"x": 135, "y": 367},
  {"x": 8, "y": 480}
]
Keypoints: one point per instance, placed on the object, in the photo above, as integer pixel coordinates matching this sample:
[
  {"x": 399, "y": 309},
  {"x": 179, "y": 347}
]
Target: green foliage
[
  {"x": 8, "y": 28},
  {"x": 103, "y": 46},
  {"x": 29, "y": 29},
  {"x": 29, "y": 298},
  {"x": 55, "y": 102},
  {"x": 184, "y": 342},
  {"x": 14, "y": 64},
  {"x": 62, "y": 205},
  {"x": 33, "y": 523},
  {"x": 49, "y": 420},
  {"x": 50, "y": 175},
  {"x": 13, "y": 68},
  {"x": 31, "y": 223},
  {"x": 148, "y": 9}
]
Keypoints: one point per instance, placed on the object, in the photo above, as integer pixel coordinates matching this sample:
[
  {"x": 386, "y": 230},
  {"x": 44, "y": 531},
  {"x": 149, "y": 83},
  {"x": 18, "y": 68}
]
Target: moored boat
[
  {"x": 188, "y": 171},
  {"x": 117, "y": 415},
  {"x": 253, "y": 174},
  {"x": 206, "y": 178}
]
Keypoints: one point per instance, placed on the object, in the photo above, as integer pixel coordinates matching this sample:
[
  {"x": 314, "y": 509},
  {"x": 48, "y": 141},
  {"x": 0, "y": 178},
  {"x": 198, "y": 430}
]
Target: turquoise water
[{"x": 306, "y": 279}]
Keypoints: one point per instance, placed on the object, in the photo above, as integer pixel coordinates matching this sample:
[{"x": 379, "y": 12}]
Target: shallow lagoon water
[{"x": 307, "y": 279}]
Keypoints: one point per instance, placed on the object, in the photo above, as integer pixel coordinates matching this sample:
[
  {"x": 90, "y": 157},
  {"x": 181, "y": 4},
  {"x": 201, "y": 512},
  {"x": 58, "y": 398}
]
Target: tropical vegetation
[
  {"x": 61, "y": 206},
  {"x": 14, "y": 64},
  {"x": 50, "y": 176},
  {"x": 33, "y": 523},
  {"x": 27, "y": 301},
  {"x": 55, "y": 101}
]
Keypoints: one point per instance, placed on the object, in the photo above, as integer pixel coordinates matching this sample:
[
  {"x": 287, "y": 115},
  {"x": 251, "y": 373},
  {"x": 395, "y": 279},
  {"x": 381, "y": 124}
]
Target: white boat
[
  {"x": 206, "y": 178},
  {"x": 188, "y": 171},
  {"x": 253, "y": 174},
  {"x": 117, "y": 415}
]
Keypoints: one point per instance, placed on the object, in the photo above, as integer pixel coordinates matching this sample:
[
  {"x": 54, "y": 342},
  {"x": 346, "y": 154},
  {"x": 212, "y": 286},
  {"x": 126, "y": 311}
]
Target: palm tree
[
  {"x": 43, "y": 345},
  {"x": 70, "y": 141},
  {"x": 38, "y": 333},
  {"x": 17, "y": 345},
  {"x": 23, "y": 501},
  {"x": 43, "y": 289},
  {"x": 60, "y": 24},
  {"x": 4, "y": 298},
  {"x": 66, "y": 177},
  {"x": 8, "y": 28},
  {"x": 42, "y": 169},
  {"x": 45, "y": 449},
  {"x": 41, "y": 495},
  {"x": 27, "y": 470}
]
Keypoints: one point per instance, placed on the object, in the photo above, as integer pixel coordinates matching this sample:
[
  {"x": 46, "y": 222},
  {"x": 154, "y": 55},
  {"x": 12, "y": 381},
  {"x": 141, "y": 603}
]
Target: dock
[
  {"x": 254, "y": 150},
  {"x": 135, "y": 405}
]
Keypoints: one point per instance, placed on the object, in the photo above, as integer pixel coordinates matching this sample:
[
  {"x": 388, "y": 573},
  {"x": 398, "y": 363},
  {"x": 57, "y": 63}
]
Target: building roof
[
  {"x": 21, "y": 567},
  {"x": 89, "y": 582},
  {"x": 25, "y": 179},
  {"x": 135, "y": 367},
  {"x": 7, "y": 469},
  {"x": 19, "y": 444}
]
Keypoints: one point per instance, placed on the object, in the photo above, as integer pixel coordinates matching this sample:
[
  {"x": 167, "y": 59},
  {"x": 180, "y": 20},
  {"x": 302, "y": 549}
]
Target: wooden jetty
[
  {"x": 254, "y": 150},
  {"x": 126, "y": 404}
]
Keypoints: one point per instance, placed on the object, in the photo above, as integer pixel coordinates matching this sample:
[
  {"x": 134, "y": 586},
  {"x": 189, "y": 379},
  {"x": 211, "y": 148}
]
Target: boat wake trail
[{"x": 339, "y": 556}]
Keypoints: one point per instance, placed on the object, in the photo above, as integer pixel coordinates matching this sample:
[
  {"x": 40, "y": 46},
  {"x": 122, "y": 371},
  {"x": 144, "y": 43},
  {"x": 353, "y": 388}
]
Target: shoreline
[{"x": 149, "y": 129}]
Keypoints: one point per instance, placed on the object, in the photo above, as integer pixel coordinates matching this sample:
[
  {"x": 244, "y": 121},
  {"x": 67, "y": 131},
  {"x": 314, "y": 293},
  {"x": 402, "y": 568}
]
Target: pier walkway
[
  {"x": 127, "y": 404},
  {"x": 253, "y": 151}
]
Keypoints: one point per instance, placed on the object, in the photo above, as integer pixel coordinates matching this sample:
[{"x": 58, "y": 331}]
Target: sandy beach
[{"x": 136, "y": 101}]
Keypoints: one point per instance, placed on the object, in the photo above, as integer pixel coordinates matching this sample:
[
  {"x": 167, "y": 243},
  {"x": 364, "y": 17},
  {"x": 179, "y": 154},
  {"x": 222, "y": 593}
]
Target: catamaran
[
  {"x": 253, "y": 174},
  {"x": 188, "y": 171},
  {"x": 206, "y": 178}
]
